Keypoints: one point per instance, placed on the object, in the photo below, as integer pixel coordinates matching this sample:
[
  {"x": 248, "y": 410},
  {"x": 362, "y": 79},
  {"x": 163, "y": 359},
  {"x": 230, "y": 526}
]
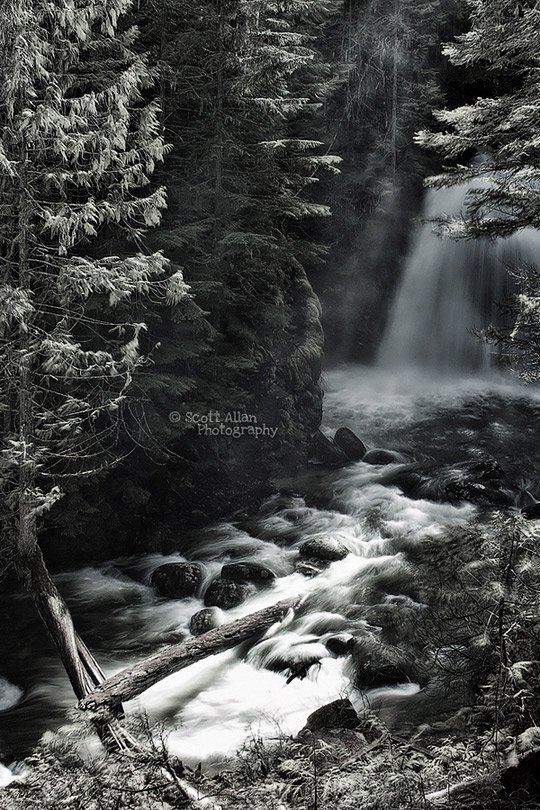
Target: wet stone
[
  {"x": 205, "y": 620},
  {"x": 248, "y": 572},
  {"x": 347, "y": 441},
  {"x": 177, "y": 580},
  {"x": 380, "y": 457},
  {"x": 311, "y": 567},
  {"x": 324, "y": 548},
  {"x": 225, "y": 594}
]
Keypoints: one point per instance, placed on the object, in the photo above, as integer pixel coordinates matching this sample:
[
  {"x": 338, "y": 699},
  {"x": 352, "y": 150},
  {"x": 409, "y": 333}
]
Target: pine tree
[
  {"x": 80, "y": 141},
  {"x": 242, "y": 174},
  {"x": 491, "y": 144}
]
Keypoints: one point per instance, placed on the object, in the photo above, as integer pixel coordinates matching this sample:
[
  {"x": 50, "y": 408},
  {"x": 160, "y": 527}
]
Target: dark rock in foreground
[
  {"x": 177, "y": 580},
  {"x": 225, "y": 594},
  {"x": 353, "y": 447},
  {"x": 524, "y": 778},
  {"x": 338, "y": 714},
  {"x": 324, "y": 548}
]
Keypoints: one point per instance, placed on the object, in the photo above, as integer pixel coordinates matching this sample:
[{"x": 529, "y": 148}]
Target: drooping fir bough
[
  {"x": 492, "y": 145},
  {"x": 241, "y": 87},
  {"x": 79, "y": 141}
]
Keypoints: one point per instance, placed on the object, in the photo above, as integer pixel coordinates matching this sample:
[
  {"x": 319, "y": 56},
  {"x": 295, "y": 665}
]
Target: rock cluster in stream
[
  {"x": 482, "y": 482},
  {"x": 372, "y": 662}
]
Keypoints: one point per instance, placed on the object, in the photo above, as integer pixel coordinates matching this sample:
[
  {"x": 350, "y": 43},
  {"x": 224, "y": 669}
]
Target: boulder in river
[
  {"x": 225, "y": 594},
  {"x": 177, "y": 580},
  {"x": 324, "y": 548},
  {"x": 379, "y": 457},
  {"x": 478, "y": 493},
  {"x": 205, "y": 620},
  {"x": 378, "y": 665},
  {"x": 353, "y": 447},
  {"x": 338, "y": 714},
  {"x": 248, "y": 572},
  {"x": 409, "y": 482},
  {"x": 340, "y": 645},
  {"x": 326, "y": 452}
]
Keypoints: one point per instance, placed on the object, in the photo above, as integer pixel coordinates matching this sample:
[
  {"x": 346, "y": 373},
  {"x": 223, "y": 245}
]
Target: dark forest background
[{"x": 291, "y": 173}]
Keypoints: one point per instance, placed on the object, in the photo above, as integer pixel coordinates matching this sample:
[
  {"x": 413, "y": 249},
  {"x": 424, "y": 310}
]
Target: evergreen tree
[
  {"x": 80, "y": 140},
  {"x": 492, "y": 145},
  {"x": 241, "y": 173}
]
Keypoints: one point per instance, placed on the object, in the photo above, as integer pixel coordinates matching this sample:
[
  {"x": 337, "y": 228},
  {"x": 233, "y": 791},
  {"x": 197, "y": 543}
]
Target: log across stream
[{"x": 212, "y": 706}]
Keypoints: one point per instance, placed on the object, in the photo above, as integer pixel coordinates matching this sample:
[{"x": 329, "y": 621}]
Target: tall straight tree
[{"x": 79, "y": 142}]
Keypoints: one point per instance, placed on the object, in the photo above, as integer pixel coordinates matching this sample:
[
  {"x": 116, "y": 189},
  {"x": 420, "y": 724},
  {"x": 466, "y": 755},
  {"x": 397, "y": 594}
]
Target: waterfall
[{"x": 450, "y": 288}]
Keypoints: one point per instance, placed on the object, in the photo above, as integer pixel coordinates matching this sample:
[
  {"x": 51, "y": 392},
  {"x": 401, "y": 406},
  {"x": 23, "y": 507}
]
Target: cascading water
[{"x": 450, "y": 288}]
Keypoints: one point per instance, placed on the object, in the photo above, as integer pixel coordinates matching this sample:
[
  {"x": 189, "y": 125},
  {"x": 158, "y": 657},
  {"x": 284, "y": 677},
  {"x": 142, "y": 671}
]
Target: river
[{"x": 210, "y": 709}]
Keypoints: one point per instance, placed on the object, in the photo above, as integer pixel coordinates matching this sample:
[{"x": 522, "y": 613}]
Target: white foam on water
[{"x": 9, "y": 694}]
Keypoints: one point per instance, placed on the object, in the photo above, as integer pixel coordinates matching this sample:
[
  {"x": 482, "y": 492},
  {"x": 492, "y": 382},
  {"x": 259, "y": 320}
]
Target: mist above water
[{"x": 449, "y": 289}]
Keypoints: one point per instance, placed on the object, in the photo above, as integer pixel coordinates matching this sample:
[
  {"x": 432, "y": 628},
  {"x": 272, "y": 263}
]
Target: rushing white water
[
  {"x": 6, "y": 776},
  {"x": 450, "y": 288},
  {"x": 210, "y": 708},
  {"x": 9, "y": 694}
]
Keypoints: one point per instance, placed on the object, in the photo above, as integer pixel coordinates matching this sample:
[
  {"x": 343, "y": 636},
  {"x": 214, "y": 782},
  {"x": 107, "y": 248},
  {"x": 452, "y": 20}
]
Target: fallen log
[{"x": 130, "y": 682}]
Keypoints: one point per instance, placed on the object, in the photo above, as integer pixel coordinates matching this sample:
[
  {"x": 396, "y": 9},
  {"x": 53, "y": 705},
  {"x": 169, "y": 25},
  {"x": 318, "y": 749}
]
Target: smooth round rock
[
  {"x": 248, "y": 572},
  {"x": 177, "y": 580},
  {"x": 205, "y": 620},
  {"x": 379, "y": 456},
  {"x": 353, "y": 447},
  {"x": 225, "y": 594},
  {"x": 324, "y": 548}
]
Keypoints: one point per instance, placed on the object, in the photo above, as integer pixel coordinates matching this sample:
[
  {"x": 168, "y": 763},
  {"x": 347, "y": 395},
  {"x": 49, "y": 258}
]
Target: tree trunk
[
  {"x": 129, "y": 683},
  {"x": 83, "y": 671}
]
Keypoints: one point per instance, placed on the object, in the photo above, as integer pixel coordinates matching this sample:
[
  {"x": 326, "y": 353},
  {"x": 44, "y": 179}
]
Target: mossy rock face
[
  {"x": 531, "y": 512},
  {"x": 177, "y": 580}
]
